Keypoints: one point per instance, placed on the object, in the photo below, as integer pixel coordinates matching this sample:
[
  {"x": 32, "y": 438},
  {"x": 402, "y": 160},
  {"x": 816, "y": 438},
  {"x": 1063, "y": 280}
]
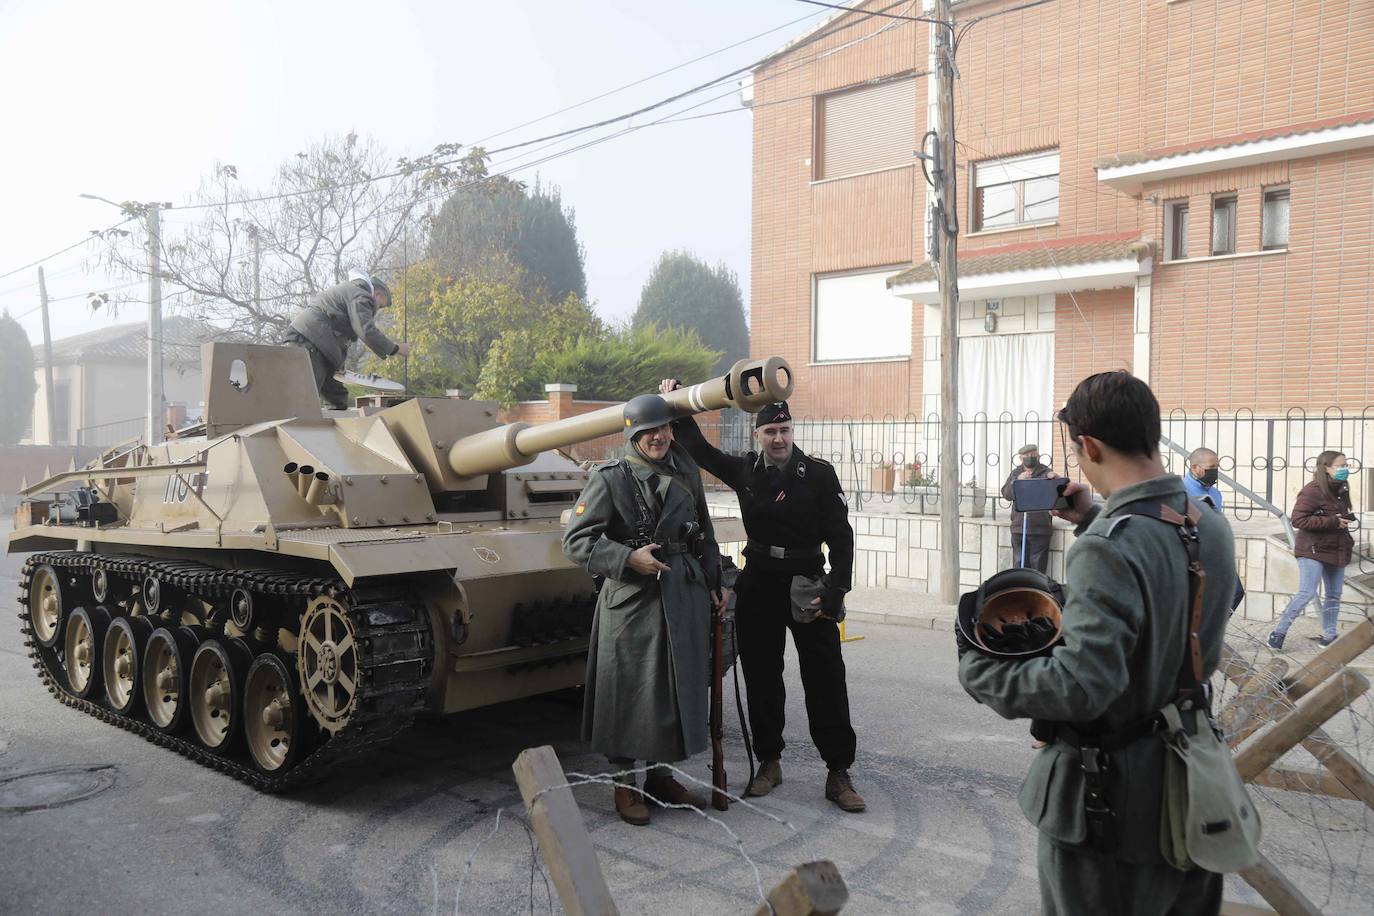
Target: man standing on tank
[
  {"x": 641, "y": 523},
  {"x": 328, "y": 324},
  {"x": 792, "y": 503}
]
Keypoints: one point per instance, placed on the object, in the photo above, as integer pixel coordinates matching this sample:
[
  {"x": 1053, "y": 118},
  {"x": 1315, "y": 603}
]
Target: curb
[{"x": 920, "y": 621}]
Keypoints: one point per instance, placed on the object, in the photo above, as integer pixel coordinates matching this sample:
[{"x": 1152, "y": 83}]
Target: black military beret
[{"x": 777, "y": 412}]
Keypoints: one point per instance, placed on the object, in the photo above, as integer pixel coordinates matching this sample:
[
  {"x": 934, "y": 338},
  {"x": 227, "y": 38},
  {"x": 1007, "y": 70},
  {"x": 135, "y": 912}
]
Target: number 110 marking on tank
[{"x": 177, "y": 489}]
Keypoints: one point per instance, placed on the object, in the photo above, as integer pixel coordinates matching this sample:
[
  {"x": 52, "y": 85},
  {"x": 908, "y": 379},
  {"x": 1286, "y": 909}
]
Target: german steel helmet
[
  {"x": 643, "y": 412},
  {"x": 1016, "y": 613}
]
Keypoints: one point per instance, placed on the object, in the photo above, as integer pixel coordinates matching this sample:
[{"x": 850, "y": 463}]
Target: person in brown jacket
[{"x": 1322, "y": 517}]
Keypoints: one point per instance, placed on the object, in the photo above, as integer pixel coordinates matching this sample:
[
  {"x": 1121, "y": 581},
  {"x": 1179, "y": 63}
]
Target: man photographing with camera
[
  {"x": 791, "y": 503},
  {"x": 1135, "y": 641}
]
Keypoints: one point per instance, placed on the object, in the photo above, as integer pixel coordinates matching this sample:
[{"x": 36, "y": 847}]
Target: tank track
[{"x": 394, "y": 635}]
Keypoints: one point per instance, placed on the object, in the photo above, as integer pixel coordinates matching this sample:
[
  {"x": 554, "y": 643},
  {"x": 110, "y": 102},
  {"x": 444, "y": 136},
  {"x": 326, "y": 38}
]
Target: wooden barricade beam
[
  {"x": 1280, "y": 893},
  {"x": 1302, "y": 779},
  {"x": 1245, "y": 712},
  {"x": 1345, "y": 649},
  {"x": 1263, "y": 749},
  {"x": 810, "y": 889},
  {"x": 563, "y": 840}
]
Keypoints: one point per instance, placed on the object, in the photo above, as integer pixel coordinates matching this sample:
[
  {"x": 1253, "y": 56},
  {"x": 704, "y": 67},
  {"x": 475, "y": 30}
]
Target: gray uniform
[
  {"x": 647, "y": 684},
  {"x": 328, "y": 325},
  {"x": 1124, "y": 643}
]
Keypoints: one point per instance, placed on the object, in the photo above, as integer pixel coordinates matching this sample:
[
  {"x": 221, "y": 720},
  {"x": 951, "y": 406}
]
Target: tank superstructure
[{"x": 291, "y": 588}]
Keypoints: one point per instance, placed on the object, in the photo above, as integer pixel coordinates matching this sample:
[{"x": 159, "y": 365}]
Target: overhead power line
[
  {"x": 808, "y": 40},
  {"x": 47, "y": 257},
  {"x": 872, "y": 13}
]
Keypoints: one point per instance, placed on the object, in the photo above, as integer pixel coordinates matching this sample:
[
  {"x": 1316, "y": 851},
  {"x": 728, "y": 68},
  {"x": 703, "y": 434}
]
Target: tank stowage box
[{"x": 289, "y": 588}]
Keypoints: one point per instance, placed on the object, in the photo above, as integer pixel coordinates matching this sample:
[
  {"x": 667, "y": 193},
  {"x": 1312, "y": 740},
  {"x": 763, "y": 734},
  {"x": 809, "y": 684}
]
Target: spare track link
[{"x": 394, "y": 636}]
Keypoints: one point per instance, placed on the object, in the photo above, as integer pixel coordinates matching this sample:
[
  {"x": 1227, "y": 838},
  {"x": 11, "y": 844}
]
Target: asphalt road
[{"x": 399, "y": 830}]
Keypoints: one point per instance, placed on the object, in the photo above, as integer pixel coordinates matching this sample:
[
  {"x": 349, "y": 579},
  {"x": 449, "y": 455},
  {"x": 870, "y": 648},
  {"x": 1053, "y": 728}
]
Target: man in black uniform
[{"x": 791, "y": 504}]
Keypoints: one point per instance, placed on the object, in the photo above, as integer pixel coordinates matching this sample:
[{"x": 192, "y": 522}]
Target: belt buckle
[{"x": 777, "y": 553}]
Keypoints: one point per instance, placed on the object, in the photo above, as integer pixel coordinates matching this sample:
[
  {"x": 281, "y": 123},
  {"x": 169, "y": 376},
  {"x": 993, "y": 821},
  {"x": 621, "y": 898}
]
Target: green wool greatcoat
[
  {"x": 647, "y": 687},
  {"x": 1126, "y": 604}
]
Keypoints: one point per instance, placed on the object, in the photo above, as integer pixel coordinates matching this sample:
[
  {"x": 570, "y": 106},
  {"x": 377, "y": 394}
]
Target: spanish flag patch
[{"x": 581, "y": 507}]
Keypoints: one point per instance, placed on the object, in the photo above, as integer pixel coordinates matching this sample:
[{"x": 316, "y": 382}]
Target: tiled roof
[
  {"x": 1029, "y": 256},
  {"x": 128, "y": 343},
  {"x": 1211, "y": 143}
]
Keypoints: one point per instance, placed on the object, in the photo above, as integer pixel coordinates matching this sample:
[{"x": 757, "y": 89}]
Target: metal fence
[{"x": 107, "y": 434}]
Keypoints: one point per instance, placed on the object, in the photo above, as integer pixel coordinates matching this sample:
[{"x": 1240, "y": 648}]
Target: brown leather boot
[
  {"x": 840, "y": 790},
  {"x": 629, "y": 804},
  {"x": 768, "y": 778},
  {"x": 660, "y": 788}
]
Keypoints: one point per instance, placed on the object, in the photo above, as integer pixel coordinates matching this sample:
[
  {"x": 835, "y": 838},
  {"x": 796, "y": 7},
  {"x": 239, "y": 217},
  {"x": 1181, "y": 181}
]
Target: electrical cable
[{"x": 48, "y": 257}]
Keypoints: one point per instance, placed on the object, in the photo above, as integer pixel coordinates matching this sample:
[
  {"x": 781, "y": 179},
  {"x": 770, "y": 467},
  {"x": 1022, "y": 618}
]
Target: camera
[{"x": 1039, "y": 494}]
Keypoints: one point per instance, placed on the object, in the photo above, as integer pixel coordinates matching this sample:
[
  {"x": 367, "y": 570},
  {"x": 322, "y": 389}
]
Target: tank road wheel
[
  {"x": 242, "y": 610},
  {"x": 273, "y": 717},
  {"x": 125, "y": 642},
  {"x": 327, "y": 661},
  {"x": 85, "y": 636},
  {"x": 48, "y": 605},
  {"x": 100, "y": 586},
  {"x": 166, "y": 665},
  {"x": 216, "y": 692}
]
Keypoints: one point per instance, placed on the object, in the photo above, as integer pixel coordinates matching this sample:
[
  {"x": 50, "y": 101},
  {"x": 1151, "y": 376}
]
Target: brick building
[{"x": 1181, "y": 188}]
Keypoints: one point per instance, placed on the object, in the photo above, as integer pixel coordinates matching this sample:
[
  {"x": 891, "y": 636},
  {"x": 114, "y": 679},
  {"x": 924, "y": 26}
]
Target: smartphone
[{"x": 1039, "y": 494}]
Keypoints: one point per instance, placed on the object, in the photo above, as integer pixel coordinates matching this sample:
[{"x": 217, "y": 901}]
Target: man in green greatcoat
[
  {"x": 642, "y": 523},
  {"x": 1125, "y": 633}
]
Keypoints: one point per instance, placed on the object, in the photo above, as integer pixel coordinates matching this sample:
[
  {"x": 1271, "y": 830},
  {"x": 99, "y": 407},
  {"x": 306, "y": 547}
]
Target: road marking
[
  {"x": 173, "y": 799},
  {"x": 209, "y": 817}
]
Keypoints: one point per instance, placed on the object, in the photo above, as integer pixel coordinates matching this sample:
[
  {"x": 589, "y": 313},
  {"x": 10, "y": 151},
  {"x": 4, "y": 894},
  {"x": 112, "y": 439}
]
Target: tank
[{"x": 286, "y": 587}]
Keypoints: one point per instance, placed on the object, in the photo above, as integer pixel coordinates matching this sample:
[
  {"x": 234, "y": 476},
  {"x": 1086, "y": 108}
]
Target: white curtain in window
[{"x": 1006, "y": 393}]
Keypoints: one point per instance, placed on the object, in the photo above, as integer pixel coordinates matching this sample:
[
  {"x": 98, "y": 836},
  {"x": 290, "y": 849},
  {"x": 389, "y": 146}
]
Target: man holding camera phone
[{"x": 1034, "y": 526}]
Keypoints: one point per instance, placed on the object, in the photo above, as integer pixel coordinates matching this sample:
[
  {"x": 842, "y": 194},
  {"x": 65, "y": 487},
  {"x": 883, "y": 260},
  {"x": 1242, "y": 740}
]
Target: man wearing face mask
[
  {"x": 642, "y": 523},
  {"x": 791, "y": 503},
  {"x": 1201, "y": 479},
  {"x": 1037, "y": 526}
]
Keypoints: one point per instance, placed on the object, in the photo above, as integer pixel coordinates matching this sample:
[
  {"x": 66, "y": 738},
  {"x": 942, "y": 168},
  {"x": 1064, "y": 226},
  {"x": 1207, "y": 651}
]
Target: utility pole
[
  {"x": 47, "y": 358},
  {"x": 155, "y": 410},
  {"x": 946, "y": 226}
]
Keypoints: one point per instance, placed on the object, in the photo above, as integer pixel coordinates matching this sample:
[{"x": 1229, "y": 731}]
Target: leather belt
[{"x": 782, "y": 553}]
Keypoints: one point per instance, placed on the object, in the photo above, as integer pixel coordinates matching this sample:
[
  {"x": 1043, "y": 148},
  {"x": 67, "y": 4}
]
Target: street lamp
[{"x": 153, "y": 433}]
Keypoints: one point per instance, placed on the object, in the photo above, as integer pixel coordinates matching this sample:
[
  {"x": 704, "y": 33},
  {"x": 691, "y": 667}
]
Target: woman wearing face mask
[{"x": 1322, "y": 518}]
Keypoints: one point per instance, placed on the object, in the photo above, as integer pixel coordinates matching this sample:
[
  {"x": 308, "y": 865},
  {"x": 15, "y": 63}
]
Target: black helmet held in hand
[
  {"x": 645, "y": 411},
  {"x": 1017, "y": 613}
]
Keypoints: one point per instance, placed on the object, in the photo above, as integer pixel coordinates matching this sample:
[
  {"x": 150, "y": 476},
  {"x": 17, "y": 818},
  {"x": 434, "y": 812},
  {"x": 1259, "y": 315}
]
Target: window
[
  {"x": 1176, "y": 230},
  {"x": 856, "y": 317},
  {"x": 1224, "y": 225},
  {"x": 866, "y": 129},
  {"x": 1274, "y": 220},
  {"x": 1018, "y": 191}
]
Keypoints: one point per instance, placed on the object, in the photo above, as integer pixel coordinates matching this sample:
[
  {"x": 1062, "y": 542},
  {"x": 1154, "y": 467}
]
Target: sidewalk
[{"x": 900, "y": 606}]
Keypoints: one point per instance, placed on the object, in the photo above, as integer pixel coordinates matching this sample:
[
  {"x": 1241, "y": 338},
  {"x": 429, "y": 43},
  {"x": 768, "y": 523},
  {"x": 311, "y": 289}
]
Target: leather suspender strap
[{"x": 1190, "y": 673}]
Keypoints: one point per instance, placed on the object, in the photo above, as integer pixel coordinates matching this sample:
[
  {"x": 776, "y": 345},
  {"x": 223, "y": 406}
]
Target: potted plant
[{"x": 883, "y": 478}]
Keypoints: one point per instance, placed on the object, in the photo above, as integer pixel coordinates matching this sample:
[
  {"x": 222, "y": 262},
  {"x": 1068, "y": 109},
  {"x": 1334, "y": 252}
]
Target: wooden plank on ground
[
  {"x": 563, "y": 840},
  {"x": 1280, "y": 893},
  {"x": 810, "y": 889},
  {"x": 1264, "y": 748},
  {"x": 1344, "y": 650}
]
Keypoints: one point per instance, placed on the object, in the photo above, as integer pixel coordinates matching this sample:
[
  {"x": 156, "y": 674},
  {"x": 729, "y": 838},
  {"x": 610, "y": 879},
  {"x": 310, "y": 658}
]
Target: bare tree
[{"x": 248, "y": 258}]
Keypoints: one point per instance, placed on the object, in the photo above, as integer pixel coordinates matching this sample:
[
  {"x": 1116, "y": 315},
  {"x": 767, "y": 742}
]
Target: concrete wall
[{"x": 900, "y": 551}]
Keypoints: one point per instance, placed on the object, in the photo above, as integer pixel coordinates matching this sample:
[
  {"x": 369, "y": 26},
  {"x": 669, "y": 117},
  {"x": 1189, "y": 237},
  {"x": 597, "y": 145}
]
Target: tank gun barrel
[{"x": 749, "y": 385}]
